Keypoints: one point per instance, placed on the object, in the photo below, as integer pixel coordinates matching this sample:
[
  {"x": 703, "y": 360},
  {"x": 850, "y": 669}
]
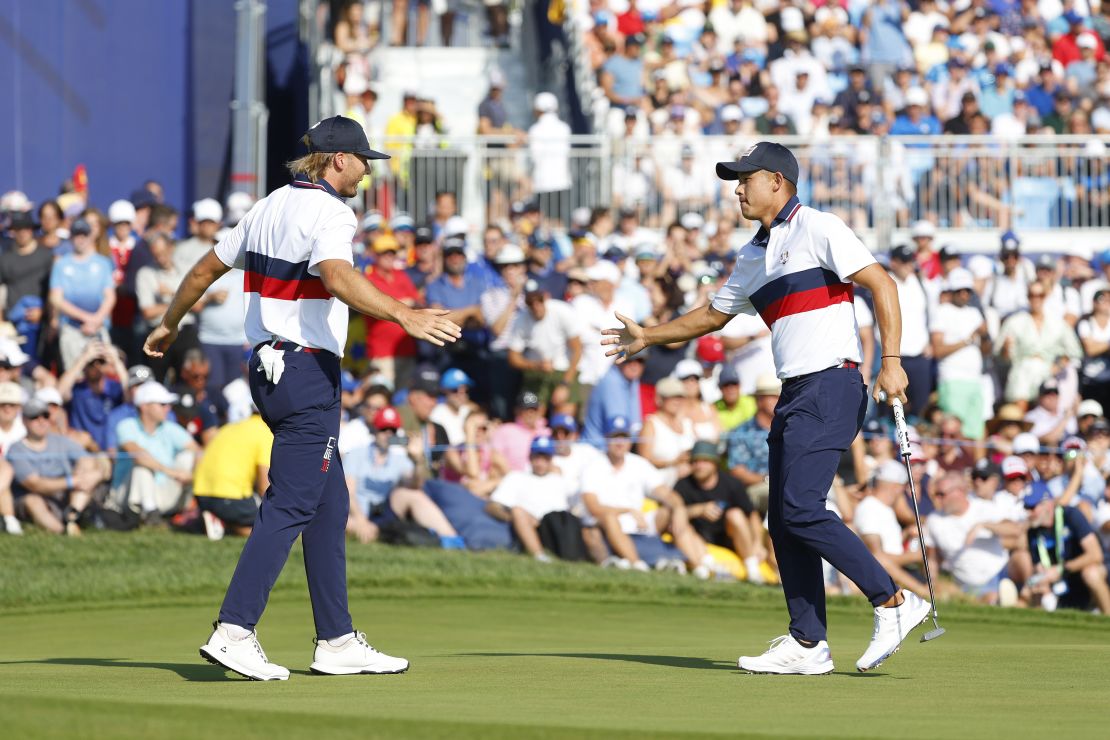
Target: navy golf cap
[
  {"x": 543, "y": 446},
  {"x": 564, "y": 421},
  {"x": 762, "y": 156},
  {"x": 618, "y": 425},
  {"x": 340, "y": 134}
]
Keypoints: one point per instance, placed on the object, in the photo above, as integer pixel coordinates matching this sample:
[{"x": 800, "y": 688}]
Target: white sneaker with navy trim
[
  {"x": 352, "y": 657},
  {"x": 244, "y": 656},
  {"x": 893, "y": 624},
  {"x": 787, "y": 656}
]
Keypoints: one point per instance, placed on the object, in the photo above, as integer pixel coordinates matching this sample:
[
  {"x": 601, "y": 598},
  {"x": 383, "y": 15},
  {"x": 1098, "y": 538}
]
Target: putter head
[{"x": 932, "y": 634}]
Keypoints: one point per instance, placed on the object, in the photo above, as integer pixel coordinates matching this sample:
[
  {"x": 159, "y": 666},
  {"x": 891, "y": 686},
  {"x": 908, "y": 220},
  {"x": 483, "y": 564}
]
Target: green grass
[{"x": 100, "y": 639}]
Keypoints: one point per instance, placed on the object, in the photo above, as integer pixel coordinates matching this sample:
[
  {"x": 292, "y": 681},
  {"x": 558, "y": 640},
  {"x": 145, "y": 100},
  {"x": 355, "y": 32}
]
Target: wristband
[{"x": 897, "y": 357}]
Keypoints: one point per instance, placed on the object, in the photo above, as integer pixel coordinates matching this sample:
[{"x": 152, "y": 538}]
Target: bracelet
[{"x": 883, "y": 357}]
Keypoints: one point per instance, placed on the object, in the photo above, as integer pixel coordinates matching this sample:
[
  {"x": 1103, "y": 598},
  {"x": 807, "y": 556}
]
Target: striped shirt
[
  {"x": 279, "y": 245},
  {"x": 795, "y": 276}
]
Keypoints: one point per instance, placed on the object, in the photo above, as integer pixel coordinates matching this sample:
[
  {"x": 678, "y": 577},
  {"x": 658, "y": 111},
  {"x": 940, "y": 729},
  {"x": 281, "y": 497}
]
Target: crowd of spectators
[{"x": 523, "y": 434}]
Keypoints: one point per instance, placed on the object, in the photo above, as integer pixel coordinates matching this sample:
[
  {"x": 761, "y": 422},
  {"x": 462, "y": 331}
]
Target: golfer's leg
[
  {"x": 799, "y": 567},
  {"x": 325, "y": 557}
]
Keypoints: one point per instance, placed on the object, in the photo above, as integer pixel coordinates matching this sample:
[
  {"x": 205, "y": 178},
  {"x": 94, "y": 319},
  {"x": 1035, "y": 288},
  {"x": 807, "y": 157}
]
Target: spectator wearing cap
[
  {"x": 876, "y": 522},
  {"x": 461, "y": 294},
  {"x": 622, "y": 76},
  {"x": 617, "y": 394},
  {"x": 429, "y": 439},
  {"x": 738, "y": 21},
  {"x": 512, "y": 439},
  {"x": 204, "y": 223},
  {"x": 687, "y": 187},
  {"x": 53, "y": 477},
  {"x": 12, "y": 428},
  {"x": 571, "y": 454},
  {"x": 542, "y": 264},
  {"x": 156, "y": 459},
  {"x": 25, "y": 266},
  {"x": 549, "y": 150},
  {"x": 451, "y": 413},
  {"x": 486, "y": 269},
  {"x": 233, "y": 475},
  {"x": 220, "y": 329},
  {"x": 403, "y": 229},
  {"x": 923, "y": 234},
  {"x": 1064, "y": 558},
  {"x": 390, "y": 349},
  {"x": 960, "y": 123},
  {"x": 692, "y": 374},
  {"x": 1034, "y": 341},
  {"x": 1050, "y": 421},
  {"x": 1086, "y": 414},
  {"x": 546, "y": 347},
  {"x": 733, "y": 407},
  {"x": 668, "y": 436},
  {"x": 198, "y": 410},
  {"x": 1081, "y": 482},
  {"x": 1068, "y": 48},
  {"x": 501, "y": 307},
  {"x": 155, "y": 286},
  {"x": 971, "y": 539},
  {"x": 1009, "y": 289},
  {"x": 527, "y": 498},
  {"x": 427, "y": 264},
  {"x": 402, "y": 125},
  {"x": 82, "y": 293},
  {"x": 493, "y": 120},
  {"x": 13, "y": 362},
  {"x": 916, "y": 120},
  {"x": 614, "y": 491},
  {"x": 121, "y": 236},
  {"x": 136, "y": 376},
  {"x": 916, "y": 353},
  {"x": 1027, "y": 447},
  {"x": 986, "y": 480},
  {"x": 59, "y": 421},
  {"x": 92, "y": 387},
  {"x": 960, "y": 342},
  {"x": 745, "y": 446}
]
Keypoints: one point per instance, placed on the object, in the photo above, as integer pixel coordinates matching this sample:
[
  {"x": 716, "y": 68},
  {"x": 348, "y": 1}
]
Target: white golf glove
[{"x": 271, "y": 362}]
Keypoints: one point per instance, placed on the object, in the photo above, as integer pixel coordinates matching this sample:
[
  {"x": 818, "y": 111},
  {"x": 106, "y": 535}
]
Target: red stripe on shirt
[
  {"x": 284, "y": 290},
  {"x": 807, "y": 300}
]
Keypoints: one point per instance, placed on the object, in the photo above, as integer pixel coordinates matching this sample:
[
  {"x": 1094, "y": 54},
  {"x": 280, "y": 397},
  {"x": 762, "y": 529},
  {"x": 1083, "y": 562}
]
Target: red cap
[
  {"x": 711, "y": 349},
  {"x": 387, "y": 418}
]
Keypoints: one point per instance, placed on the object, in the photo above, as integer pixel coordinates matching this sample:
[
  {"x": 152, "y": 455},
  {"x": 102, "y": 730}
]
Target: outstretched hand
[
  {"x": 159, "y": 340},
  {"x": 432, "y": 325},
  {"x": 626, "y": 341}
]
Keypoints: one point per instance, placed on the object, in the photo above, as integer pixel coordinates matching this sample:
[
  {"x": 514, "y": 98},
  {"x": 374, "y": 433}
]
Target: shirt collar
[
  {"x": 302, "y": 181},
  {"x": 788, "y": 211}
]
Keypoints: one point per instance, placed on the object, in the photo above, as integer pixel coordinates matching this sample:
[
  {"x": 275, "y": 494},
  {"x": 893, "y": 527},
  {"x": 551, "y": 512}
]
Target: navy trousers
[
  {"x": 816, "y": 419},
  {"x": 307, "y": 496}
]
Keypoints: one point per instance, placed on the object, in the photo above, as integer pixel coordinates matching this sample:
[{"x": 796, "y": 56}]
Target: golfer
[
  {"x": 294, "y": 247},
  {"x": 797, "y": 272}
]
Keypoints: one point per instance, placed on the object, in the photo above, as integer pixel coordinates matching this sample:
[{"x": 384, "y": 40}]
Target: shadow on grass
[
  {"x": 672, "y": 661},
  {"x": 200, "y": 671}
]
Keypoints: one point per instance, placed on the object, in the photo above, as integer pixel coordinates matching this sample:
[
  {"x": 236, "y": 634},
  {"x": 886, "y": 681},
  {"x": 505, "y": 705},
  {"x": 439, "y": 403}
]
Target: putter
[{"x": 904, "y": 448}]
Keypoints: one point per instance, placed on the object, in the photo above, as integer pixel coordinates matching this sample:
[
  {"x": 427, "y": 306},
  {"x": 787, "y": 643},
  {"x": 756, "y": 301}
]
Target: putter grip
[{"x": 900, "y": 427}]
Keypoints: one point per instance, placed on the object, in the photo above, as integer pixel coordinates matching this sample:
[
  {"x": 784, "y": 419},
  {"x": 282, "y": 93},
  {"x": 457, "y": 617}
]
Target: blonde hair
[{"x": 312, "y": 165}]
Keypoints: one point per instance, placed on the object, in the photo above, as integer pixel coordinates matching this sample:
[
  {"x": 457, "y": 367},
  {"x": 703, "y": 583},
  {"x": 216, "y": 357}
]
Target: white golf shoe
[
  {"x": 244, "y": 656},
  {"x": 892, "y": 625},
  {"x": 787, "y": 656},
  {"x": 354, "y": 656}
]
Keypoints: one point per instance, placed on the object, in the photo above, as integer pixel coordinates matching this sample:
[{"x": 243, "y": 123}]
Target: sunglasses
[{"x": 36, "y": 417}]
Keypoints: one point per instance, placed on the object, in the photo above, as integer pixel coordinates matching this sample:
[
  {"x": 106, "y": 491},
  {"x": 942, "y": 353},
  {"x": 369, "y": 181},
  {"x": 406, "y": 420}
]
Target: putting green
[{"x": 502, "y": 647}]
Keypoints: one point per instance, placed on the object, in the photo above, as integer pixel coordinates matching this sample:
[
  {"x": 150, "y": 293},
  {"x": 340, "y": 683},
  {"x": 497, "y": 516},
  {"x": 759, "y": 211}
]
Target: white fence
[{"x": 1056, "y": 187}]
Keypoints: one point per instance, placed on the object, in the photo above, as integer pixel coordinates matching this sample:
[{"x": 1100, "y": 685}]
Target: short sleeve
[
  {"x": 404, "y": 463},
  {"x": 232, "y": 248},
  {"x": 127, "y": 431},
  {"x": 1083, "y": 329},
  {"x": 146, "y": 284},
  {"x": 334, "y": 236},
  {"x": 179, "y": 436},
  {"x": 864, "y": 317},
  {"x": 731, "y": 298},
  {"x": 651, "y": 476},
  {"x": 930, "y": 538},
  {"x": 838, "y": 248},
  {"x": 56, "y": 275},
  {"x": 593, "y": 479},
  {"x": 864, "y": 519},
  {"x": 22, "y": 468},
  {"x": 518, "y": 339},
  {"x": 71, "y": 449},
  {"x": 569, "y": 319},
  {"x": 506, "y": 493},
  {"x": 262, "y": 451}
]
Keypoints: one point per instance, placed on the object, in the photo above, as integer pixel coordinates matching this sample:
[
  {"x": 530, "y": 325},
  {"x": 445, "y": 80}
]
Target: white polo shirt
[
  {"x": 796, "y": 278},
  {"x": 279, "y": 245}
]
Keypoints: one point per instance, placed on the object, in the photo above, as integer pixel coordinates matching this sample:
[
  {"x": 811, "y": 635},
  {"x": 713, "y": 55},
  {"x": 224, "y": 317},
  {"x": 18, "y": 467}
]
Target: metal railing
[{"x": 877, "y": 185}]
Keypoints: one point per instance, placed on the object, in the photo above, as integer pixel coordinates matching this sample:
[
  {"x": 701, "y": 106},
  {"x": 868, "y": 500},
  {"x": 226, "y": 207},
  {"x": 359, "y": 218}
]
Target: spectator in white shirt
[
  {"x": 878, "y": 527},
  {"x": 960, "y": 340},
  {"x": 916, "y": 353},
  {"x": 546, "y": 346},
  {"x": 451, "y": 412},
  {"x": 614, "y": 490},
  {"x": 1050, "y": 422},
  {"x": 970, "y": 539},
  {"x": 549, "y": 147}
]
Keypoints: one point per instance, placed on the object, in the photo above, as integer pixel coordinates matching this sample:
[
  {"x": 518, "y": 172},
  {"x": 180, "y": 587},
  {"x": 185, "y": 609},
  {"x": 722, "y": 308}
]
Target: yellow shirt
[
  {"x": 732, "y": 418},
  {"x": 400, "y": 124},
  {"x": 230, "y": 463}
]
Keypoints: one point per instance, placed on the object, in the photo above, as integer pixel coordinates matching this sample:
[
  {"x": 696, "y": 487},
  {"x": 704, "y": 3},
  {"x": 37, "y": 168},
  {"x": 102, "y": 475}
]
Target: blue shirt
[
  {"x": 483, "y": 272},
  {"x": 747, "y": 445},
  {"x": 88, "y": 409},
  {"x": 1043, "y": 100},
  {"x": 925, "y": 126},
  {"x": 628, "y": 76},
  {"x": 164, "y": 444},
  {"x": 885, "y": 41},
  {"x": 374, "y": 478},
  {"x": 614, "y": 395},
  {"x": 443, "y": 292},
  {"x": 118, "y": 414},
  {"x": 56, "y": 461},
  {"x": 82, "y": 281}
]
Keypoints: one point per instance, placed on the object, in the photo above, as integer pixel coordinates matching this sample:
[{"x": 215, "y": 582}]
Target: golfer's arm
[
  {"x": 888, "y": 314},
  {"x": 696, "y": 323},
  {"x": 206, "y": 271},
  {"x": 345, "y": 283}
]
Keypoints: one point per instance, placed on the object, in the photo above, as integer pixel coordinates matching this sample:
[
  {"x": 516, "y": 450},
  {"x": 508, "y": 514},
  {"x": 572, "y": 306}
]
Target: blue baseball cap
[
  {"x": 340, "y": 134},
  {"x": 1038, "y": 492},
  {"x": 1010, "y": 242},
  {"x": 564, "y": 421},
  {"x": 618, "y": 425},
  {"x": 762, "y": 156},
  {"x": 402, "y": 222},
  {"x": 728, "y": 376},
  {"x": 348, "y": 382},
  {"x": 1072, "y": 17},
  {"x": 542, "y": 446},
  {"x": 453, "y": 379}
]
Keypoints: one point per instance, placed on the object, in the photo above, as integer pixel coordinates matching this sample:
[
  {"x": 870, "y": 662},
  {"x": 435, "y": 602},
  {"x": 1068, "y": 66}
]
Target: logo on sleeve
[{"x": 328, "y": 452}]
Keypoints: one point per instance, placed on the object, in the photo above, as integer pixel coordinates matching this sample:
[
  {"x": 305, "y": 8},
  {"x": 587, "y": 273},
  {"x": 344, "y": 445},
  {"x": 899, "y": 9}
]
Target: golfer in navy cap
[
  {"x": 294, "y": 247},
  {"x": 797, "y": 273}
]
